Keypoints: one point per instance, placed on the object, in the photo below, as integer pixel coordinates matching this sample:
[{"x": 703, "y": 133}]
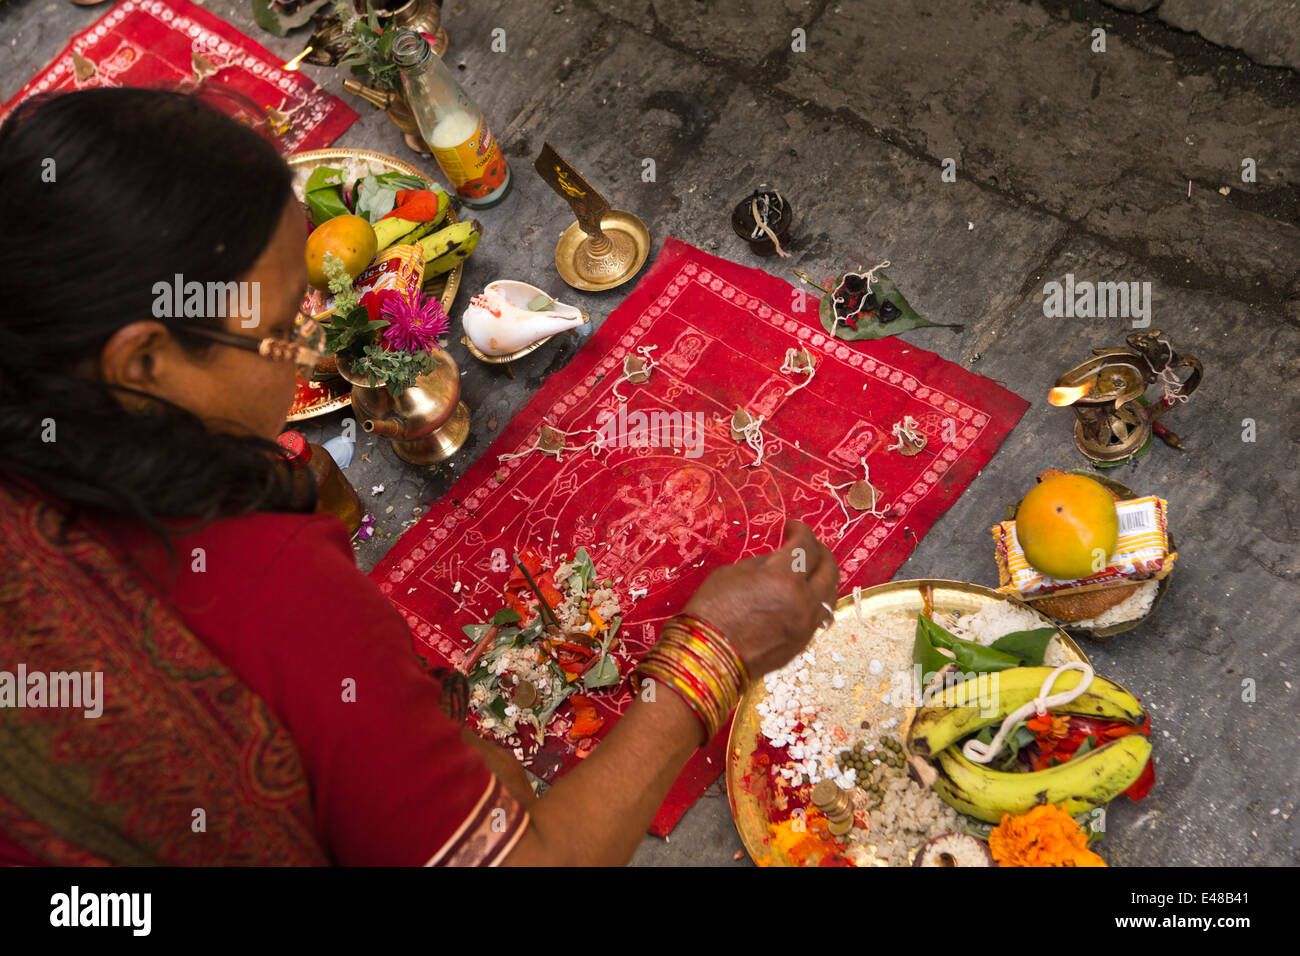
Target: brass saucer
[
  {"x": 594, "y": 265},
  {"x": 505, "y": 360}
]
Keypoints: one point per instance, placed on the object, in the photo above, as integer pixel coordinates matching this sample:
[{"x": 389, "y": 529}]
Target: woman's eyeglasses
[{"x": 305, "y": 349}]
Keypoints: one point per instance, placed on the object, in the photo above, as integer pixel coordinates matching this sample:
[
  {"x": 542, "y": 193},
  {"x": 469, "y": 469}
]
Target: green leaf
[
  {"x": 870, "y": 327},
  {"x": 507, "y": 615},
  {"x": 970, "y": 656},
  {"x": 497, "y": 708},
  {"x": 924, "y": 653},
  {"x": 1029, "y": 646},
  {"x": 604, "y": 673},
  {"x": 279, "y": 24},
  {"x": 325, "y": 204},
  {"x": 396, "y": 181},
  {"x": 322, "y": 177},
  {"x": 1020, "y": 736},
  {"x": 475, "y": 632},
  {"x": 1088, "y": 743}
]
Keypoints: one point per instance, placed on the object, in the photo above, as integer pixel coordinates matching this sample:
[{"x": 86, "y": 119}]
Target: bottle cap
[
  {"x": 410, "y": 49},
  {"x": 295, "y": 446}
]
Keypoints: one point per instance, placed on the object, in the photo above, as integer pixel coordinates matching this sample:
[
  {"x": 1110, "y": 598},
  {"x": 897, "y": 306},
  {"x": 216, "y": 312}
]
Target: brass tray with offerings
[
  {"x": 325, "y": 394},
  {"x": 760, "y": 804}
]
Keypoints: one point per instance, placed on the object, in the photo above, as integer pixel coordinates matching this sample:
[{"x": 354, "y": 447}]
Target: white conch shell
[{"x": 499, "y": 322}]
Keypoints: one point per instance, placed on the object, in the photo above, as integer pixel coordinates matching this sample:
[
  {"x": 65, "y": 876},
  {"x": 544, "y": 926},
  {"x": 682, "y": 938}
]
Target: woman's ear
[{"x": 136, "y": 356}]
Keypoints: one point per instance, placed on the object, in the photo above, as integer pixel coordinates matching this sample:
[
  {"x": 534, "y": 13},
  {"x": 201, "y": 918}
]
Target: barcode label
[{"x": 1137, "y": 519}]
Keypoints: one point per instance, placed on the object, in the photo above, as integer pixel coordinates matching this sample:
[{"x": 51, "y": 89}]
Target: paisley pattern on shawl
[{"x": 179, "y": 733}]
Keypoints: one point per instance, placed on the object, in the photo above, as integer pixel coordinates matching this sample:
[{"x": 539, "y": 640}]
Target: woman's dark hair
[{"x": 103, "y": 193}]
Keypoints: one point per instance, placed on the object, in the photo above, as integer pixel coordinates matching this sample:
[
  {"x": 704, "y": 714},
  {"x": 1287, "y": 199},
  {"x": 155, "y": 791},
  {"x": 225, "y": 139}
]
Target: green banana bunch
[
  {"x": 937, "y": 727},
  {"x": 449, "y": 247},
  {"x": 1078, "y": 785}
]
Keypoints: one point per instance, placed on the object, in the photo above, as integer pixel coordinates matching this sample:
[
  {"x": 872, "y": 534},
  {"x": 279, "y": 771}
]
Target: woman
[{"x": 260, "y": 699}]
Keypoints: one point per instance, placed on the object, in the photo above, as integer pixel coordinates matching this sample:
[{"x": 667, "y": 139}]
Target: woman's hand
[{"x": 768, "y": 607}]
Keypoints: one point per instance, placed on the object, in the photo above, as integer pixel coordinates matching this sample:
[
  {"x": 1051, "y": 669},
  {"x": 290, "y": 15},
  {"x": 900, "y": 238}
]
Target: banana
[
  {"x": 939, "y": 727},
  {"x": 1079, "y": 784},
  {"x": 396, "y": 231},
  {"x": 449, "y": 247},
  {"x": 388, "y": 231}
]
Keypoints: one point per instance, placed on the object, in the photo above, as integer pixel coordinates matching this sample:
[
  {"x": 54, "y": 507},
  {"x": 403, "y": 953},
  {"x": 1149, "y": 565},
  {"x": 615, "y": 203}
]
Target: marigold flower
[{"x": 1045, "y": 836}]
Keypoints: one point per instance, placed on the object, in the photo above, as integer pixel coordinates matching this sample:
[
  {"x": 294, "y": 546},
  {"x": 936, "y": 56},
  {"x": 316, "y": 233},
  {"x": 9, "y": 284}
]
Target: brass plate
[
  {"x": 444, "y": 287},
  {"x": 631, "y": 241},
  {"x": 482, "y": 356},
  {"x": 896, "y": 597},
  {"x": 329, "y": 402}
]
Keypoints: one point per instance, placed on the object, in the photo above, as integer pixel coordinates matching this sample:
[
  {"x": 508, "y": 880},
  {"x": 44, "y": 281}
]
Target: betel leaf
[
  {"x": 507, "y": 615},
  {"x": 475, "y": 632},
  {"x": 1029, "y": 646},
  {"x": 325, "y": 204},
  {"x": 279, "y": 24},
  {"x": 923, "y": 651},
  {"x": 497, "y": 708},
  {"x": 323, "y": 176},
  {"x": 970, "y": 657},
  {"x": 870, "y": 326}
]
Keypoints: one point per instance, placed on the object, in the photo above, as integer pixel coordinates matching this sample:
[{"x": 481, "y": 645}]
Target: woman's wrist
[{"x": 694, "y": 660}]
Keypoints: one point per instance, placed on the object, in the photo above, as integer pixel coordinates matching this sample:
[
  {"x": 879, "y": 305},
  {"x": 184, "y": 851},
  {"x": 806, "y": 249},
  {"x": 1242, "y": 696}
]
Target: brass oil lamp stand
[
  {"x": 606, "y": 246},
  {"x": 1113, "y": 421}
]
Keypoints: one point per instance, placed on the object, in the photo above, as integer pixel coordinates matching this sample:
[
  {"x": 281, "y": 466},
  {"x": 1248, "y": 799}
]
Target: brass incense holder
[
  {"x": 606, "y": 246},
  {"x": 1113, "y": 421}
]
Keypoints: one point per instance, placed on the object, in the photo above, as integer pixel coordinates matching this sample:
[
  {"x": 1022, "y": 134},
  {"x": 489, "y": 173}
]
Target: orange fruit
[
  {"x": 1068, "y": 526},
  {"x": 349, "y": 238}
]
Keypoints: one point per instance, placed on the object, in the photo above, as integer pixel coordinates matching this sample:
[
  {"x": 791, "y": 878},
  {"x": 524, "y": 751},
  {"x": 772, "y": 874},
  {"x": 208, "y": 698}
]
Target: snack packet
[
  {"x": 397, "y": 269},
  {"x": 1142, "y": 553}
]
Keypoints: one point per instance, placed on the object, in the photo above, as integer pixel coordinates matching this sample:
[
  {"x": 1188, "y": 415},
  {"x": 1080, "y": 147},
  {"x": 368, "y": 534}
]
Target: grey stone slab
[
  {"x": 1016, "y": 97},
  {"x": 1267, "y": 32},
  {"x": 741, "y": 33}
]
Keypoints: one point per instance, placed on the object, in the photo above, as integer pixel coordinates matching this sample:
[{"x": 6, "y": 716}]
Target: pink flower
[{"x": 417, "y": 321}]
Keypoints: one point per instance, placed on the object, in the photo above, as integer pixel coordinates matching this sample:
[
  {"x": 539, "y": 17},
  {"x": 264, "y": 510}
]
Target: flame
[
  {"x": 297, "y": 60},
  {"x": 1068, "y": 395}
]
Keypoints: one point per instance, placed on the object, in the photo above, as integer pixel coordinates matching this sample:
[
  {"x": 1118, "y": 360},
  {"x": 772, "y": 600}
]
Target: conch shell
[{"x": 499, "y": 322}]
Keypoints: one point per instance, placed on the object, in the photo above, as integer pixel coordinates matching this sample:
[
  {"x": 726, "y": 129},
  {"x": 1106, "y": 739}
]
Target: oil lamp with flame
[{"x": 1114, "y": 421}]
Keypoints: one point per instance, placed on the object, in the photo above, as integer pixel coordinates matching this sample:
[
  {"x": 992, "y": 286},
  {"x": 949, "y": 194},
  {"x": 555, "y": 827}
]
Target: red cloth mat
[
  {"x": 152, "y": 43},
  {"x": 660, "y": 519}
]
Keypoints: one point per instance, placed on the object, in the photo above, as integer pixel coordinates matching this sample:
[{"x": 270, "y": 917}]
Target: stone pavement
[{"x": 1068, "y": 159}]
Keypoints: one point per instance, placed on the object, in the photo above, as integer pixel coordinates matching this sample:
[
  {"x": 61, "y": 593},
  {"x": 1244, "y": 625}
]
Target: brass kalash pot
[
  {"x": 1113, "y": 419},
  {"x": 426, "y": 423}
]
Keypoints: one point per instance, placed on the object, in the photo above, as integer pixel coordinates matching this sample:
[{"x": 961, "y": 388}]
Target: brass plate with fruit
[
  {"x": 444, "y": 287},
  {"x": 896, "y": 597}
]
